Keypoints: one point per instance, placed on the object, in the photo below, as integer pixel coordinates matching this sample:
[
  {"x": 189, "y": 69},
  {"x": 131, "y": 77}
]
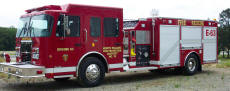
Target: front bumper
[{"x": 22, "y": 70}]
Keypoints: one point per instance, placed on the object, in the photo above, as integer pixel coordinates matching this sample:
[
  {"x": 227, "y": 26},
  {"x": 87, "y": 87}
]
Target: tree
[
  {"x": 224, "y": 31},
  {"x": 7, "y": 38}
]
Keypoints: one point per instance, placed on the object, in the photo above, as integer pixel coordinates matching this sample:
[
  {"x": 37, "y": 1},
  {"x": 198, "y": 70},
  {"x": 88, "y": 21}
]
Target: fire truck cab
[{"x": 86, "y": 42}]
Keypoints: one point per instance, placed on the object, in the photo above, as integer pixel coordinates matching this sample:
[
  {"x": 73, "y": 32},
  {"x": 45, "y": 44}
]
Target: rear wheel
[
  {"x": 191, "y": 65},
  {"x": 91, "y": 72}
]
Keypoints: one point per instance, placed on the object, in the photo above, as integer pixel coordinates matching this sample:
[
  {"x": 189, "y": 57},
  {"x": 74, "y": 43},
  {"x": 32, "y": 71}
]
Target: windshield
[{"x": 35, "y": 26}]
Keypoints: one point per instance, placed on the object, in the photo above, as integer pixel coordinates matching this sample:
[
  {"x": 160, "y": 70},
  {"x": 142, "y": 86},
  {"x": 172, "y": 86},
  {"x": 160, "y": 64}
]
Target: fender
[
  {"x": 188, "y": 55},
  {"x": 88, "y": 53}
]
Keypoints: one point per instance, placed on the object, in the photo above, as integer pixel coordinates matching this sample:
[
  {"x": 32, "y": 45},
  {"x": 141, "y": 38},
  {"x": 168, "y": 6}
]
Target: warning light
[{"x": 93, "y": 44}]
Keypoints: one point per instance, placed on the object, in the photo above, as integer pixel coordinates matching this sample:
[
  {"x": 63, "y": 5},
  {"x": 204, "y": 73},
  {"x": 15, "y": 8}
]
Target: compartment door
[
  {"x": 210, "y": 44},
  {"x": 169, "y": 44},
  {"x": 191, "y": 37}
]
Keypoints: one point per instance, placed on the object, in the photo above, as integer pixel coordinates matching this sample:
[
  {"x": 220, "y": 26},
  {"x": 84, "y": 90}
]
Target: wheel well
[
  {"x": 100, "y": 57},
  {"x": 199, "y": 61}
]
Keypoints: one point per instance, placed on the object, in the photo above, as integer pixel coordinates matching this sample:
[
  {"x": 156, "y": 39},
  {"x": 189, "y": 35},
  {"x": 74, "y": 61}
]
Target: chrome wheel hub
[
  {"x": 92, "y": 72},
  {"x": 191, "y": 64}
]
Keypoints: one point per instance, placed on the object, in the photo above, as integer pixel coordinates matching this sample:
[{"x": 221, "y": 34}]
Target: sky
[{"x": 11, "y": 10}]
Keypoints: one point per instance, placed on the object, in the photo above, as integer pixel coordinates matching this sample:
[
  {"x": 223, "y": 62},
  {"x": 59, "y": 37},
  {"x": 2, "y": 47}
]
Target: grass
[
  {"x": 1, "y": 59},
  {"x": 2, "y": 75},
  {"x": 9, "y": 52},
  {"x": 177, "y": 85},
  {"x": 223, "y": 63},
  {"x": 222, "y": 76}
]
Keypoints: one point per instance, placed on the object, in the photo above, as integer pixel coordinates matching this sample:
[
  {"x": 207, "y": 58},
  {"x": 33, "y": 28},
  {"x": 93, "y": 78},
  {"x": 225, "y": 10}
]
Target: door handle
[
  {"x": 117, "y": 44},
  {"x": 85, "y": 34}
]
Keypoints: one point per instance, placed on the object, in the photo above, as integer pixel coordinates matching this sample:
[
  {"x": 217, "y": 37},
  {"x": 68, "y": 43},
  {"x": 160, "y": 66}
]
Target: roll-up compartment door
[
  {"x": 210, "y": 44},
  {"x": 191, "y": 37}
]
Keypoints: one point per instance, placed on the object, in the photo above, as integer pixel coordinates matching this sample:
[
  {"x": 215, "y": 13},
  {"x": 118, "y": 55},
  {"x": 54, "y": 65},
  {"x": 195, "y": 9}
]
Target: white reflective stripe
[
  {"x": 63, "y": 76},
  {"x": 120, "y": 65},
  {"x": 154, "y": 62},
  {"x": 115, "y": 71},
  {"x": 60, "y": 69},
  {"x": 132, "y": 63},
  {"x": 49, "y": 70}
]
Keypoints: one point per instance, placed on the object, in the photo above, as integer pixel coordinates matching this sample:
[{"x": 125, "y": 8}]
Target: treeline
[
  {"x": 224, "y": 32},
  {"x": 7, "y": 38}
]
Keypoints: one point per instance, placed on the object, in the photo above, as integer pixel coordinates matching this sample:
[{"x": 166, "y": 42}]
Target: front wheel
[
  {"x": 191, "y": 65},
  {"x": 91, "y": 72}
]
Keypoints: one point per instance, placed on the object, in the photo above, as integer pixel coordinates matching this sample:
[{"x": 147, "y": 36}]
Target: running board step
[{"x": 141, "y": 69}]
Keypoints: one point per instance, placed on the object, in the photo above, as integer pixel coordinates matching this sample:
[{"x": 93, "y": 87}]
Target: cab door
[
  {"x": 68, "y": 43},
  {"x": 92, "y": 33},
  {"x": 112, "y": 39}
]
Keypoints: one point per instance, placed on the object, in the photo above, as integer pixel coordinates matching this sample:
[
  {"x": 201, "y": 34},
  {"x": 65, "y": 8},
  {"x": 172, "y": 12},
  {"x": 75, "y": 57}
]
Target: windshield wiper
[
  {"x": 23, "y": 29},
  {"x": 28, "y": 28},
  {"x": 31, "y": 29}
]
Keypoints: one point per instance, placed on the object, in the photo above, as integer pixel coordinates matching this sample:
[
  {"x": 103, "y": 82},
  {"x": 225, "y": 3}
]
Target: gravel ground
[{"x": 210, "y": 79}]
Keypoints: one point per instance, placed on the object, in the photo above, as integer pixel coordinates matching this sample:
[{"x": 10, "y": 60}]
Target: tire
[
  {"x": 191, "y": 65},
  {"x": 91, "y": 72},
  {"x": 61, "y": 79}
]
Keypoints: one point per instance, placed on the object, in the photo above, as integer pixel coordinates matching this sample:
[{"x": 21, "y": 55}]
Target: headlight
[
  {"x": 35, "y": 53},
  {"x": 35, "y": 56},
  {"x": 17, "y": 51}
]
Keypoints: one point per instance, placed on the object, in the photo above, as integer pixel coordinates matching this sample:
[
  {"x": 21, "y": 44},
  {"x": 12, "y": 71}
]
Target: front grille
[{"x": 26, "y": 51}]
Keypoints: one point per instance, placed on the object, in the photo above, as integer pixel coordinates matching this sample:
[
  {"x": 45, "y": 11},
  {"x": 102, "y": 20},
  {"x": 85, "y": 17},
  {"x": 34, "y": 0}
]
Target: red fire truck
[{"x": 86, "y": 42}]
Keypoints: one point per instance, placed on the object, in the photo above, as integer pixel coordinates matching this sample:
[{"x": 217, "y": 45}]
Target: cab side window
[
  {"x": 111, "y": 27},
  {"x": 95, "y": 26},
  {"x": 73, "y": 24}
]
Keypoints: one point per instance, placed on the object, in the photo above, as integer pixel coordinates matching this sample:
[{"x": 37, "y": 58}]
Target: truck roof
[{"x": 68, "y": 7}]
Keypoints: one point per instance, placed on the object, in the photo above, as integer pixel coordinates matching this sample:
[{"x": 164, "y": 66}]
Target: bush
[{"x": 7, "y": 39}]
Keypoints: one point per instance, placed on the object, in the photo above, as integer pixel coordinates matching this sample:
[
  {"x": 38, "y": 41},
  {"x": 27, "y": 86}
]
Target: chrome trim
[
  {"x": 22, "y": 70},
  {"x": 23, "y": 76},
  {"x": 170, "y": 65},
  {"x": 63, "y": 76},
  {"x": 144, "y": 68},
  {"x": 88, "y": 53},
  {"x": 118, "y": 65},
  {"x": 153, "y": 24},
  {"x": 92, "y": 72},
  {"x": 191, "y": 64}
]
